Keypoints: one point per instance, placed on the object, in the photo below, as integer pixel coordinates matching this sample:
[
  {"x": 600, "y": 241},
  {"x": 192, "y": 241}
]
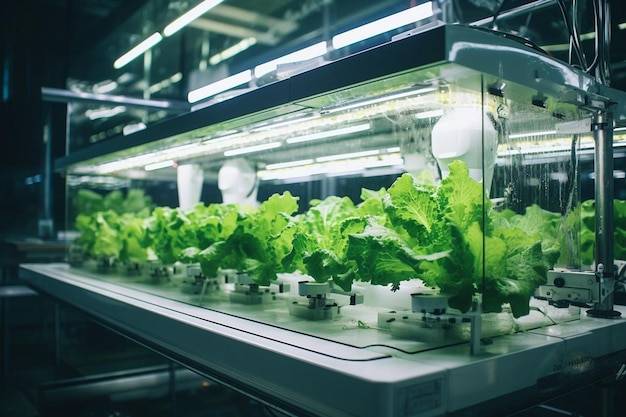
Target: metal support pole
[{"x": 605, "y": 264}]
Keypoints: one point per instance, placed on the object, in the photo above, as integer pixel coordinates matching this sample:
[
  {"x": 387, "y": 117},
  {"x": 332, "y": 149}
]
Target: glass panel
[{"x": 394, "y": 212}]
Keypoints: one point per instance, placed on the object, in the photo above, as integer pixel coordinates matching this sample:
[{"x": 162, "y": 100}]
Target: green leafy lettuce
[{"x": 259, "y": 244}]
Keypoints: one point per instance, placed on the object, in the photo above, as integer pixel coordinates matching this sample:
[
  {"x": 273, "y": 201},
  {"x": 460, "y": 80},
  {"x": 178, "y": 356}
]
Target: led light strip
[
  {"x": 169, "y": 30},
  {"x": 332, "y": 164},
  {"x": 255, "y": 148},
  {"x": 237, "y": 48},
  {"x": 227, "y": 83},
  {"x": 190, "y": 16},
  {"x": 148, "y": 43},
  {"x": 165, "y": 164},
  {"x": 378, "y": 100},
  {"x": 329, "y": 133},
  {"x": 377, "y": 27}
]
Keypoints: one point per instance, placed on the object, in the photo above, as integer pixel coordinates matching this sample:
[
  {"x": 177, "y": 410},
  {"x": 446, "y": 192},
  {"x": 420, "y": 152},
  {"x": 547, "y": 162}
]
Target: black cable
[
  {"x": 575, "y": 35},
  {"x": 596, "y": 23},
  {"x": 496, "y": 14},
  {"x": 574, "y": 46}
]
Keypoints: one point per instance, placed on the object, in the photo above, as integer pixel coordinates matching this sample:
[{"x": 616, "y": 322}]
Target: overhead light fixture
[
  {"x": 329, "y": 133},
  {"x": 158, "y": 165},
  {"x": 350, "y": 155},
  {"x": 377, "y": 27},
  {"x": 190, "y": 16},
  {"x": 304, "y": 54},
  {"x": 531, "y": 134},
  {"x": 148, "y": 43},
  {"x": 282, "y": 165},
  {"x": 104, "y": 87},
  {"x": 176, "y": 153},
  {"x": 333, "y": 165},
  {"x": 251, "y": 149},
  {"x": 156, "y": 87},
  {"x": 237, "y": 48},
  {"x": 381, "y": 99},
  {"x": 104, "y": 113},
  {"x": 264, "y": 126},
  {"x": 219, "y": 86},
  {"x": 224, "y": 137}
]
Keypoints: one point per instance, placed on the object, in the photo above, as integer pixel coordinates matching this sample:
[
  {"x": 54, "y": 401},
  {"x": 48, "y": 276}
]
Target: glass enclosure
[{"x": 397, "y": 210}]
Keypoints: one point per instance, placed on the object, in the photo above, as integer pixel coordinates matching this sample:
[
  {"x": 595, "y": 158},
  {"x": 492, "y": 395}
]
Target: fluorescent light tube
[
  {"x": 190, "y": 16},
  {"x": 155, "y": 88},
  {"x": 330, "y": 133},
  {"x": 351, "y": 155},
  {"x": 531, "y": 134},
  {"x": 137, "y": 50},
  {"x": 292, "y": 164},
  {"x": 104, "y": 113},
  {"x": 159, "y": 165},
  {"x": 330, "y": 168},
  {"x": 271, "y": 126},
  {"x": 105, "y": 87},
  {"x": 383, "y": 25},
  {"x": 237, "y": 48},
  {"x": 250, "y": 149},
  {"x": 304, "y": 54},
  {"x": 219, "y": 86},
  {"x": 381, "y": 99}
]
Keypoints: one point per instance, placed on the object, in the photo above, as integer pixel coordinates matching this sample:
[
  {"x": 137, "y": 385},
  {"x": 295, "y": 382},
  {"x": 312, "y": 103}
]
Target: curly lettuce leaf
[
  {"x": 259, "y": 244},
  {"x": 321, "y": 238},
  {"x": 383, "y": 257}
]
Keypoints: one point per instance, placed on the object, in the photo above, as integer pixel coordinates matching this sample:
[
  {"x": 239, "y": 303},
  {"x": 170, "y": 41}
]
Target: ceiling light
[
  {"x": 291, "y": 122},
  {"x": 137, "y": 50},
  {"x": 190, "y": 16},
  {"x": 104, "y": 113},
  {"x": 237, "y": 48},
  {"x": 226, "y": 136},
  {"x": 220, "y": 86},
  {"x": 250, "y": 149},
  {"x": 291, "y": 164},
  {"x": 332, "y": 167},
  {"x": 159, "y": 165},
  {"x": 383, "y": 25},
  {"x": 155, "y": 88},
  {"x": 304, "y": 54},
  {"x": 104, "y": 87},
  {"x": 330, "y": 133},
  {"x": 377, "y": 100},
  {"x": 347, "y": 156},
  {"x": 531, "y": 134}
]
